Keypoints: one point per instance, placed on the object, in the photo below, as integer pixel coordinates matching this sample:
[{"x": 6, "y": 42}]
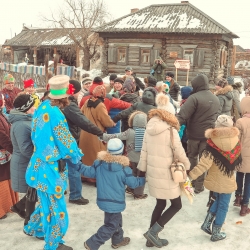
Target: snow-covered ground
[{"x": 183, "y": 231}]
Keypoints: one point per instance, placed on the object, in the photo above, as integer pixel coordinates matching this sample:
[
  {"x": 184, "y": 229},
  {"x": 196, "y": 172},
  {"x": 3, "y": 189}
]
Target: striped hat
[{"x": 115, "y": 146}]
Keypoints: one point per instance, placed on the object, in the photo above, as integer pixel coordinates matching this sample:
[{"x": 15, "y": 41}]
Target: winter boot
[
  {"x": 129, "y": 190},
  {"x": 217, "y": 234},
  {"x": 63, "y": 247},
  {"x": 14, "y": 209},
  {"x": 30, "y": 208},
  {"x": 244, "y": 210},
  {"x": 152, "y": 235},
  {"x": 140, "y": 196},
  {"x": 238, "y": 199},
  {"x": 124, "y": 242},
  {"x": 206, "y": 226},
  {"x": 163, "y": 242}
]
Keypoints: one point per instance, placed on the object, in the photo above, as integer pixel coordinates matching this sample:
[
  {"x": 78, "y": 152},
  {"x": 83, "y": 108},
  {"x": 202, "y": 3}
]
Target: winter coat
[
  {"x": 159, "y": 70},
  {"x": 147, "y": 104},
  {"x": 88, "y": 143},
  {"x": 224, "y": 138},
  {"x": 112, "y": 176},
  {"x": 199, "y": 112},
  {"x": 130, "y": 98},
  {"x": 157, "y": 157},
  {"x": 225, "y": 96},
  {"x": 20, "y": 134},
  {"x": 5, "y": 143},
  {"x": 236, "y": 98},
  {"x": 77, "y": 121},
  {"x": 9, "y": 97},
  {"x": 139, "y": 121},
  {"x": 174, "y": 90},
  {"x": 243, "y": 124},
  {"x": 109, "y": 101}
]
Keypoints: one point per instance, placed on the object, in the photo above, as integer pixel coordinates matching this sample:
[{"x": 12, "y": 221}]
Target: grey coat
[
  {"x": 225, "y": 96},
  {"x": 137, "y": 119},
  {"x": 20, "y": 134},
  {"x": 199, "y": 112}
]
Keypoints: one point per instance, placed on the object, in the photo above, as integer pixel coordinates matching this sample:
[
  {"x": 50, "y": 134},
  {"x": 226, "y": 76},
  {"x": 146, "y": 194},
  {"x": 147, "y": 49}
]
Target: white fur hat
[{"x": 162, "y": 102}]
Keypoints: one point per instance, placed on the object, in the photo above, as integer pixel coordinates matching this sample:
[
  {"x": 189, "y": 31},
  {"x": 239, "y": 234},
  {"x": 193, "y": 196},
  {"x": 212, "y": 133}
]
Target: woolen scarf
[{"x": 227, "y": 161}]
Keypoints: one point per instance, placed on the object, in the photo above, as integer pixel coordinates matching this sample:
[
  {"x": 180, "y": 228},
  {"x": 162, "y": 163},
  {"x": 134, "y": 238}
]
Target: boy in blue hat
[{"x": 112, "y": 173}]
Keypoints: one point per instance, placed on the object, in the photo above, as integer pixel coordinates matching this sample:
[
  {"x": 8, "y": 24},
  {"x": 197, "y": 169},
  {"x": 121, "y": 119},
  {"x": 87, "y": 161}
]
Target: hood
[
  {"x": 160, "y": 120},
  {"x": 137, "y": 119},
  {"x": 245, "y": 105},
  {"x": 224, "y": 138},
  {"x": 149, "y": 95},
  {"x": 129, "y": 97},
  {"x": 15, "y": 116},
  {"x": 226, "y": 91},
  {"x": 200, "y": 83},
  {"x": 120, "y": 160},
  {"x": 186, "y": 91}
]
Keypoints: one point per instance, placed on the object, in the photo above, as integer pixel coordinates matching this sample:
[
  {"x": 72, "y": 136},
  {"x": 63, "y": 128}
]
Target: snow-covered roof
[
  {"x": 166, "y": 18},
  {"x": 43, "y": 37}
]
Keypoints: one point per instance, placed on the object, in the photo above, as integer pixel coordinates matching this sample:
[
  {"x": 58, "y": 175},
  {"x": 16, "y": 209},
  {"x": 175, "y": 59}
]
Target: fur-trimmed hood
[
  {"x": 225, "y": 90},
  {"x": 154, "y": 126},
  {"x": 221, "y": 132},
  {"x": 117, "y": 161},
  {"x": 141, "y": 122},
  {"x": 224, "y": 138}
]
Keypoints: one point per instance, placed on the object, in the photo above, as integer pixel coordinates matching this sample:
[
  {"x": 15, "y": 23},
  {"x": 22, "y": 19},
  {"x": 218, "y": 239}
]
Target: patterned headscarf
[
  {"x": 99, "y": 91},
  {"x": 8, "y": 78}
]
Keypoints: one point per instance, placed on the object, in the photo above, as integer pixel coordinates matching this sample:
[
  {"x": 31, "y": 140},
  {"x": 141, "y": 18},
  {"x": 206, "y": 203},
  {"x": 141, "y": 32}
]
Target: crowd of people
[{"x": 117, "y": 135}]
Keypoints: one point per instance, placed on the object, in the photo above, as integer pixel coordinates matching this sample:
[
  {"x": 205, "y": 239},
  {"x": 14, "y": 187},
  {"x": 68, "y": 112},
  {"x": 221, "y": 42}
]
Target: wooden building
[
  {"x": 173, "y": 31},
  {"x": 32, "y": 44}
]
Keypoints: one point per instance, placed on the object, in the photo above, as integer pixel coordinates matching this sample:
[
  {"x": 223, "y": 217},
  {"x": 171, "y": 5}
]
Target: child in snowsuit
[
  {"x": 243, "y": 186},
  {"x": 220, "y": 158},
  {"x": 112, "y": 172},
  {"x": 134, "y": 136}
]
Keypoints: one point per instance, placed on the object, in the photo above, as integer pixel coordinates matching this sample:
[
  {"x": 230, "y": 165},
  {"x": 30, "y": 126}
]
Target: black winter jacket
[
  {"x": 174, "y": 91},
  {"x": 77, "y": 120},
  {"x": 199, "y": 112}
]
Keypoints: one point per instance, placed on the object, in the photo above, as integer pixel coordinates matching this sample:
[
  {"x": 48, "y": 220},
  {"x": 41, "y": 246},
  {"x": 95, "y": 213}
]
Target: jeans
[
  {"x": 138, "y": 190},
  {"x": 220, "y": 207},
  {"x": 164, "y": 218},
  {"x": 194, "y": 150},
  {"x": 112, "y": 228},
  {"x": 75, "y": 182},
  {"x": 240, "y": 180}
]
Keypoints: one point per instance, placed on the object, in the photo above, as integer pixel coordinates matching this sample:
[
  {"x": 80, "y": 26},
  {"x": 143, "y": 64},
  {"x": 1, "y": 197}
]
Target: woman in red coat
[{"x": 7, "y": 196}]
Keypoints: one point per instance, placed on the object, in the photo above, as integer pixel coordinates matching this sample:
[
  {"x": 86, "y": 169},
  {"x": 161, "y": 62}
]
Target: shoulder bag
[{"x": 177, "y": 168}]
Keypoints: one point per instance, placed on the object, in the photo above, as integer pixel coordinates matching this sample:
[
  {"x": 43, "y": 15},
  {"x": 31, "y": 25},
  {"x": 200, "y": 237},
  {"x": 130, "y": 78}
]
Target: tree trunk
[{"x": 86, "y": 60}]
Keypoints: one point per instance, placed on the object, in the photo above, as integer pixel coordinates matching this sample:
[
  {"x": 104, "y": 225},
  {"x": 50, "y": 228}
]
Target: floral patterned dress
[{"x": 52, "y": 141}]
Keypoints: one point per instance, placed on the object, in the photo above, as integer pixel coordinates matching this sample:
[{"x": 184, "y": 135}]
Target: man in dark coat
[
  {"x": 77, "y": 121},
  {"x": 199, "y": 113}
]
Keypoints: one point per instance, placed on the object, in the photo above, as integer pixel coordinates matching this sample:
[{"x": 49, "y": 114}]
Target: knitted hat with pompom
[{"x": 162, "y": 102}]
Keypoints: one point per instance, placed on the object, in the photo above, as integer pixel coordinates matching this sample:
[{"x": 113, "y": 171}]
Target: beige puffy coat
[
  {"x": 243, "y": 124},
  {"x": 156, "y": 155},
  {"x": 225, "y": 139}
]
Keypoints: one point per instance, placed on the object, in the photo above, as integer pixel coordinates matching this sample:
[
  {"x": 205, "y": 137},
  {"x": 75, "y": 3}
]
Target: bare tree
[{"x": 84, "y": 15}]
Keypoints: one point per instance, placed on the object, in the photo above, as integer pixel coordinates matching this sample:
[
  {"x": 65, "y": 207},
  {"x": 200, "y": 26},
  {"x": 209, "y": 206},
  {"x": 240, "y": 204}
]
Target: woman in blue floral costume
[{"x": 52, "y": 142}]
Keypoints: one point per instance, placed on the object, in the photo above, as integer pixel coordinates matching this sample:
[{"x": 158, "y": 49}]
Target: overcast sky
[{"x": 233, "y": 14}]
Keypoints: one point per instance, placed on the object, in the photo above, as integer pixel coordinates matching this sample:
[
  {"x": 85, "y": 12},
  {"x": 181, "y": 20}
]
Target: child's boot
[
  {"x": 124, "y": 242},
  {"x": 129, "y": 190},
  {"x": 140, "y": 196},
  {"x": 238, "y": 199},
  {"x": 206, "y": 226},
  {"x": 244, "y": 210},
  {"x": 152, "y": 235},
  {"x": 163, "y": 242},
  {"x": 217, "y": 234}
]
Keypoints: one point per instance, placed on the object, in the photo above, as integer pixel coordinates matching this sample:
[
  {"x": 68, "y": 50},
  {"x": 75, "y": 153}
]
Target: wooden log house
[{"x": 173, "y": 31}]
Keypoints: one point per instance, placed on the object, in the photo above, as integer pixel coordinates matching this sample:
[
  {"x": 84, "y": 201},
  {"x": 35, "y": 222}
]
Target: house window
[
  {"x": 121, "y": 55},
  {"x": 188, "y": 54},
  {"x": 145, "y": 56}
]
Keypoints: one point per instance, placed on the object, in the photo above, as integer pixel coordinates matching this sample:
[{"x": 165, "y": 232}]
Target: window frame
[
  {"x": 141, "y": 56},
  {"x": 125, "y": 55}
]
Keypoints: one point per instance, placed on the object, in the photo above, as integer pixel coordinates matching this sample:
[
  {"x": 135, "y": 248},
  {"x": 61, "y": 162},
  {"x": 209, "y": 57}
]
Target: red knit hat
[
  {"x": 96, "y": 82},
  {"x": 28, "y": 83}
]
